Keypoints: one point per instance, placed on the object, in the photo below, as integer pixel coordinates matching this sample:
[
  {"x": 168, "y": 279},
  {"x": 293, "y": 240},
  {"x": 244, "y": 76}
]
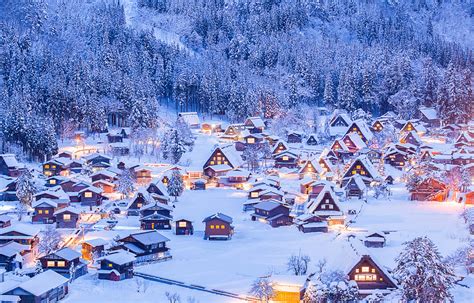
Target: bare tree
[
  {"x": 298, "y": 264},
  {"x": 262, "y": 289},
  {"x": 172, "y": 297},
  {"x": 321, "y": 265},
  {"x": 50, "y": 240}
]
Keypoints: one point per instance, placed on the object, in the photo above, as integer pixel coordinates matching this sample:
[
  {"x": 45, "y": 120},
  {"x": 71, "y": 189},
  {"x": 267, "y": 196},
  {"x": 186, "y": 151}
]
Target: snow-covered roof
[
  {"x": 44, "y": 203},
  {"x": 92, "y": 156},
  {"x": 93, "y": 189},
  {"x": 429, "y": 112},
  {"x": 42, "y": 283},
  {"x": 96, "y": 242},
  {"x": 149, "y": 237},
  {"x": 191, "y": 118},
  {"x": 156, "y": 206},
  {"x": 313, "y": 203},
  {"x": 364, "y": 129},
  {"x": 358, "y": 181},
  {"x": 268, "y": 205},
  {"x": 368, "y": 165},
  {"x": 28, "y": 230},
  {"x": 67, "y": 254},
  {"x": 56, "y": 192},
  {"x": 105, "y": 172},
  {"x": 256, "y": 121},
  {"x": 10, "y": 160},
  {"x": 70, "y": 209},
  {"x": 12, "y": 248},
  {"x": 5, "y": 218},
  {"x": 120, "y": 257},
  {"x": 220, "y": 216},
  {"x": 355, "y": 138}
]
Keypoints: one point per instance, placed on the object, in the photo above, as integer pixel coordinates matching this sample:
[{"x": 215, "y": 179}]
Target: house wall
[{"x": 226, "y": 231}]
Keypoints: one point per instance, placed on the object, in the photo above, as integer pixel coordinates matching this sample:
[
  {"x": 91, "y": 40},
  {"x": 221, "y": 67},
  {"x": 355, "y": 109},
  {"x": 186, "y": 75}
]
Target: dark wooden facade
[{"x": 184, "y": 227}]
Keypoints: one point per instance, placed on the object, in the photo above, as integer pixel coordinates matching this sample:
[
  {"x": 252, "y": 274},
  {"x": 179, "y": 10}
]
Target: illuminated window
[
  {"x": 222, "y": 226},
  {"x": 212, "y": 226},
  {"x": 212, "y": 162},
  {"x": 373, "y": 270},
  {"x": 53, "y": 166},
  {"x": 52, "y": 181},
  {"x": 50, "y": 263},
  {"x": 67, "y": 217},
  {"x": 285, "y": 158},
  {"x": 40, "y": 211},
  {"x": 362, "y": 172},
  {"x": 358, "y": 166},
  {"x": 46, "y": 166},
  {"x": 354, "y": 172},
  {"x": 331, "y": 206},
  {"x": 365, "y": 269},
  {"x": 46, "y": 211},
  {"x": 218, "y": 226},
  {"x": 61, "y": 264},
  {"x": 254, "y": 194},
  {"x": 251, "y": 140},
  {"x": 366, "y": 277},
  {"x": 401, "y": 163},
  {"x": 182, "y": 224},
  {"x": 88, "y": 194},
  {"x": 139, "y": 205},
  {"x": 219, "y": 158},
  {"x": 110, "y": 265}
]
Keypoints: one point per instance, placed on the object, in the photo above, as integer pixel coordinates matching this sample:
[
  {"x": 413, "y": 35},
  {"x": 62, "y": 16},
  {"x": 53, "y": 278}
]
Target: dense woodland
[{"x": 65, "y": 64}]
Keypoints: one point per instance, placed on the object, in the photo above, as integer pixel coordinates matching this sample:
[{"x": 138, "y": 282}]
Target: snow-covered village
[{"x": 223, "y": 151}]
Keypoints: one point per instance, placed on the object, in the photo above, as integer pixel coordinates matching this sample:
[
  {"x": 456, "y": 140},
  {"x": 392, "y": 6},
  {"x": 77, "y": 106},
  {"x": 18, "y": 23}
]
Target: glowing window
[
  {"x": 40, "y": 211},
  {"x": 50, "y": 263},
  {"x": 139, "y": 205},
  {"x": 182, "y": 224},
  {"x": 67, "y": 217},
  {"x": 52, "y": 181},
  {"x": 218, "y": 226},
  {"x": 362, "y": 172},
  {"x": 212, "y": 162},
  {"x": 365, "y": 269},
  {"x": 46, "y": 211},
  {"x": 61, "y": 264},
  {"x": 53, "y": 166},
  {"x": 358, "y": 166},
  {"x": 251, "y": 140},
  {"x": 254, "y": 194},
  {"x": 222, "y": 226},
  {"x": 354, "y": 172},
  {"x": 110, "y": 265},
  {"x": 46, "y": 166},
  {"x": 212, "y": 226},
  {"x": 88, "y": 194},
  {"x": 285, "y": 158}
]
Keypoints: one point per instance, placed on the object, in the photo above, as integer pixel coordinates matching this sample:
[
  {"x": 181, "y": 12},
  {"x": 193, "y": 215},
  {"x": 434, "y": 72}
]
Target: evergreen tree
[
  {"x": 25, "y": 190},
  {"x": 422, "y": 274},
  {"x": 126, "y": 182},
  {"x": 176, "y": 185}
]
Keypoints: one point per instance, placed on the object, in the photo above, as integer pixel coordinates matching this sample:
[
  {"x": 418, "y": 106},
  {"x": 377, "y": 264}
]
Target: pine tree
[
  {"x": 176, "y": 185},
  {"x": 422, "y": 274},
  {"x": 126, "y": 183},
  {"x": 329, "y": 93},
  {"x": 25, "y": 190}
]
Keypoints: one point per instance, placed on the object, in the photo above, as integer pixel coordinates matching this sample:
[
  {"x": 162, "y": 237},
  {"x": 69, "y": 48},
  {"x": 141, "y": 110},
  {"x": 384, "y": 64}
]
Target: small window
[
  {"x": 182, "y": 224},
  {"x": 61, "y": 264},
  {"x": 365, "y": 269},
  {"x": 285, "y": 158},
  {"x": 50, "y": 264},
  {"x": 110, "y": 265},
  {"x": 46, "y": 211},
  {"x": 88, "y": 194},
  {"x": 222, "y": 227},
  {"x": 67, "y": 217},
  {"x": 254, "y": 194},
  {"x": 52, "y": 181},
  {"x": 218, "y": 226},
  {"x": 46, "y": 166},
  {"x": 331, "y": 206},
  {"x": 212, "y": 226},
  {"x": 139, "y": 205},
  {"x": 40, "y": 211}
]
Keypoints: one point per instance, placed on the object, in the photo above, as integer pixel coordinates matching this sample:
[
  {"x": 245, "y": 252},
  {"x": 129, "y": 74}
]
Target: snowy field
[{"x": 257, "y": 249}]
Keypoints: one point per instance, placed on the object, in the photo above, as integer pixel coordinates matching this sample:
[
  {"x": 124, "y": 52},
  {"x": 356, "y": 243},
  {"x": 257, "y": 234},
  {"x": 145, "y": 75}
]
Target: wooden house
[
  {"x": 430, "y": 189},
  {"x": 9, "y": 165},
  {"x": 11, "y": 256},
  {"x": 55, "y": 181},
  {"x": 21, "y": 235},
  {"x": 309, "y": 223},
  {"x": 8, "y": 189},
  {"x": 249, "y": 139},
  {"x": 326, "y": 205},
  {"x": 93, "y": 249},
  {"x": 219, "y": 227},
  {"x": 67, "y": 217},
  {"x": 98, "y": 161},
  {"x": 140, "y": 199},
  {"x": 355, "y": 187},
  {"x": 47, "y": 286},
  {"x": 156, "y": 216},
  {"x": 191, "y": 119},
  {"x": 44, "y": 211},
  {"x": 114, "y": 136},
  {"x": 310, "y": 169},
  {"x": 370, "y": 276},
  {"x": 76, "y": 165},
  {"x": 288, "y": 289},
  {"x": 234, "y": 178},
  {"x": 413, "y": 125},
  {"x": 429, "y": 116},
  {"x": 361, "y": 166},
  {"x": 377, "y": 126},
  {"x": 312, "y": 140},
  {"x": 233, "y": 132},
  {"x": 353, "y": 142},
  {"x": 91, "y": 196},
  {"x": 222, "y": 159},
  {"x": 116, "y": 266},
  {"x": 106, "y": 186},
  {"x": 254, "y": 125},
  {"x": 360, "y": 128},
  {"x": 271, "y": 193},
  {"x": 5, "y": 221},
  {"x": 210, "y": 128},
  {"x": 184, "y": 227},
  {"x": 286, "y": 159},
  {"x": 280, "y": 147},
  {"x": 375, "y": 239},
  {"x": 464, "y": 139},
  {"x": 157, "y": 187},
  {"x": 62, "y": 261},
  {"x": 272, "y": 212},
  {"x": 142, "y": 175},
  {"x": 340, "y": 120},
  {"x": 148, "y": 246},
  {"x": 411, "y": 138},
  {"x": 56, "y": 167},
  {"x": 294, "y": 137},
  {"x": 105, "y": 175}
]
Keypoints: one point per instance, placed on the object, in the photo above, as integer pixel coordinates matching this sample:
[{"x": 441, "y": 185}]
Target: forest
[{"x": 64, "y": 65}]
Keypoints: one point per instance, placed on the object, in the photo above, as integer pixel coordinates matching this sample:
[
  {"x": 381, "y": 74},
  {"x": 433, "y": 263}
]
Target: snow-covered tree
[
  {"x": 316, "y": 292},
  {"x": 252, "y": 154},
  {"x": 49, "y": 240},
  {"x": 126, "y": 183},
  {"x": 173, "y": 146},
  {"x": 25, "y": 190},
  {"x": 262, "y": 289},
  {"x": 175, "y": 185},
  {"x": 422, "y": 274}
]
